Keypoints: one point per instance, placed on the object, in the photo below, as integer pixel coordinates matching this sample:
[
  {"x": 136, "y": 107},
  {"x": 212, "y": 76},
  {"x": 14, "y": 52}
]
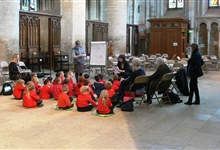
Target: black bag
[
  {"x": 174, "y": 98},
  {"x": 128, "y": 105},
  {"x": 7, "y": 89}
]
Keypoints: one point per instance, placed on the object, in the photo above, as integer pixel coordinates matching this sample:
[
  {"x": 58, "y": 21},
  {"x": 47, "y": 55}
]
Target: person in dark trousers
[
  {"x": 194, "y": 70},
  {"x": 79, "y": 59},
  {"x": 124, "y": 67},
  {"x": 125, "y": 84}
]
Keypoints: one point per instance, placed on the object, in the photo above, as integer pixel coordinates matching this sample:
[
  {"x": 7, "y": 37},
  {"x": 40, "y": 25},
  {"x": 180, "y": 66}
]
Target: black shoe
[
  {"x": 188, "y": 103},
  {"x": 41, "y": 105},
  {"x": 196, "y": 103},
  {"x": 149, "y": 101}
]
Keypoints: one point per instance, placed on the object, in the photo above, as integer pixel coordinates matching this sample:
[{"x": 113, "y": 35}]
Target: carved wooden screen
[
  {"x": 23, "y": 35},
  {"x": 54, "y": 37}
]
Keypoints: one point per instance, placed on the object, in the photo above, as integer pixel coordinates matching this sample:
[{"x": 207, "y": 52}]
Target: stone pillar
[
  {"x": 208, "y": 40},
  {"x": 218, "y": 42},
  {"x": 72, "y": 24},
  {"x": 197, "y": 36},
  {"x": 9, "y": 29},
  {"x": 115, "y": 12},
  {"x": 130, "y": 12}
]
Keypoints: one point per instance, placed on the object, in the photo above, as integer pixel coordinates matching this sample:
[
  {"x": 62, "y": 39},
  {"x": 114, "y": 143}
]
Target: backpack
[
  {"x": 7, "y": 89},
  {"x": 174, "y": 98},
  {"x": 128, "y": 105}
]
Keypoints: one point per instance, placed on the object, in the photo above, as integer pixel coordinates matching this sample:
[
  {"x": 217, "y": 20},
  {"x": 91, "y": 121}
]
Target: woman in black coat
[
  {"x": 124, "y": 67},
  {"x": 194, "y": 70}
]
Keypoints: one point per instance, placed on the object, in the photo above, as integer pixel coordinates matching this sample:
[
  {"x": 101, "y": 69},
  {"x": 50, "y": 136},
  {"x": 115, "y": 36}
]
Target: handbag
[{"x": 128, "y": 105}]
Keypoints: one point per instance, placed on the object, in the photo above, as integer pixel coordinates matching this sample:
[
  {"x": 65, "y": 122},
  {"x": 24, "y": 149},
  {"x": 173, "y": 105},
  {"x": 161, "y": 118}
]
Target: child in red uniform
[
  {"x": 87, "y": 77},
  {"x": 19, "y": 89},
  {"x": 79, "y": 85},
  {"x": 109, "y": 89},
  {"x": 56, "y": 76},
  {"x": 61, "y": 76},
  {"x": 84, "y": 99},
  {"x": 91, "y": 92},
  {"x": 71, "y": 74},
  {"x": 70, "y": 85},
  {"x": 104, "y": 104},
  {"x": 30, "y": 98},
  {"x": 116, "y": 81},
  {"x": 46, "y": 90},
  {"x": 33, "y": 74},
  {"x": 37, "y": 86},
  {"x": 57, "y": 88},
  {"x": 64, "y": 101},
  {"x": 101, "y": 78}
]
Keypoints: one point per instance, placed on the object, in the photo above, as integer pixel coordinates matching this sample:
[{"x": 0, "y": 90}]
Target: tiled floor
[{"x": 169, "y": 127}]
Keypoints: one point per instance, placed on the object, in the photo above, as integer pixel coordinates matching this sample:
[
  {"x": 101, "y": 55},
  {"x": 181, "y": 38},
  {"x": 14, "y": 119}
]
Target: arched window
[
  {"x": 28, "y": 5},
  {"x": 214, "y": 3},
  {"x": 172, "y": 4}
]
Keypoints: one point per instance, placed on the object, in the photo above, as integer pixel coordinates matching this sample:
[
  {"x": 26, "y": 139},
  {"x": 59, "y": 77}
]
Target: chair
[
  {"x": 4, "y": 70},
  {"x": 158, "y": 55},
  {"x": 165, "y": 56},
  {"x": 163, "y": 86},
  {"x": 140, "y": 82}
]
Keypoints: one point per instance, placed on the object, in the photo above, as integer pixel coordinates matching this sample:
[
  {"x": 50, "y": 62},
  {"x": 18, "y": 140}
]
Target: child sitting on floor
[
  {"x": 91, "y": 92},
  {"x": 64, "y": 101},
  {"x": 104, "y": 104},
  {"x": 79, "y": 85},
  {"x": 87, "y": 77},
  {"x": 57, "y": 88},
  {"x": 19, "y": 89},
  {"x": 98, "y": 85},
  {"x": 30, "y": 98},
  {"x": 61, "y": 76},
  {"x": 46, "y": 90},
  {"x": 33, "y": 74},
  {"x": 71, "y": 74},
  {"x": 70, "y": 87},
  {"x": 102, "y": 78},
  {"x": 116, "y": 81},
  {"x": 37, "y": 86},
  {"x": 56, "y": 76},
  {"x": 84, "y": 99},
  {"x": 109, "y": 89}
]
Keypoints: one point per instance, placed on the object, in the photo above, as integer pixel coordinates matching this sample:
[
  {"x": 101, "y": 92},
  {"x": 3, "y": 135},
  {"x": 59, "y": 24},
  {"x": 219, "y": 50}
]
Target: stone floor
[{"x": 169, "y": 127}]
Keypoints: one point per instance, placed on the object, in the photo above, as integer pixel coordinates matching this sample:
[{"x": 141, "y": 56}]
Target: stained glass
[
  {"x": 180, "y": 3},
  {"x": 29, "y": 5},
  {"x": 213, "y": 3},
  {"x": 25, "y": 5},
  {"x": 172, "y": 3}
]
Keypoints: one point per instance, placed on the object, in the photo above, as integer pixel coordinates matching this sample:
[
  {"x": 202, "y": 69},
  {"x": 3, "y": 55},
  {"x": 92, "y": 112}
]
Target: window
[
  {"x": 29, "y": 5},
  {"x": 176, "y": 4},
  {"x": 213, "y": 3}
]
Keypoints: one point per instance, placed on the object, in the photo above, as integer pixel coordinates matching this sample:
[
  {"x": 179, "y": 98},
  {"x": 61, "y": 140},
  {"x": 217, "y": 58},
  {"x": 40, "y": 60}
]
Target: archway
[
  {"x": 203, "y": 38},
  {"x": 214, "y": 38}
]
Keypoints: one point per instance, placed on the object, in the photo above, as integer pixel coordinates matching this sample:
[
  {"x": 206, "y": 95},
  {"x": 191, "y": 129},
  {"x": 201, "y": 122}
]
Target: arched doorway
[
  {"x": 214, "y": 36},
  {"x": 203, "y": 38}
]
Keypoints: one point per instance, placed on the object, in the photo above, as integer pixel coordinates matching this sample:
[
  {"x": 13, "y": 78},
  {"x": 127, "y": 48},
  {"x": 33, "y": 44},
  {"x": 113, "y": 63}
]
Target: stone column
[
  {"x": 9, "y": 29},
  {"x": 115, "y": 12},
  {"x": 72, "y": 24},
  {"x": 218, "y": 42},
  {"x": 208, "y": 40},
  {"x": 197, "y": 36}
]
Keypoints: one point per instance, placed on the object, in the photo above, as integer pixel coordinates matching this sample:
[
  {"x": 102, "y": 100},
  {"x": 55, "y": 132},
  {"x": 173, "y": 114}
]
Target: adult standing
[
  {"x": 188, "y": 50},
  {"x": 194, "y": 70},
  {"x": 79, "y": 59},
  {"x": 124, "y": 67}
]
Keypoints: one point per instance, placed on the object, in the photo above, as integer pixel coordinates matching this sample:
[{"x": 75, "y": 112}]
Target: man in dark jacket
[
  {"x": 156, "y": 77},
  {"x": 194, "y": 70},
  {"x": 125, "y": 84}
]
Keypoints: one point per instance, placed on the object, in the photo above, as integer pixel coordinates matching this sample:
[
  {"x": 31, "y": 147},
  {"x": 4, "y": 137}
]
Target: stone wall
[
  {"x": 9, "y": 29},
  {"x": 73, "y": 24}
]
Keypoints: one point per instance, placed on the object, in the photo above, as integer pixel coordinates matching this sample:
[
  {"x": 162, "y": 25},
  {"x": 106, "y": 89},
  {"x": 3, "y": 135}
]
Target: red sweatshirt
[
  {"x": 103, "y": 81},
  {"x": 30, "y": 101},
  {"x": 18, "y": 91},
  {"x": 57, "y": 89},
  {"x": 83, "y": 100},
  {"x": 63, "y": 100},
  {"x": 78, "y": 88},
  {"x": 117, "y": 83},
  {"x": 70, "y": 93},
  {"x": 104, "y": 109},
  {"x": 45, "y": 92},
  {"x": 37, "y": 87},
  {"x": 111, "y": 92}
]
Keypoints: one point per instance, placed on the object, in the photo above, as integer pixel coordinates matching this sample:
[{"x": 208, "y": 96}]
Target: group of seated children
[{"x": 63, "y": 88}]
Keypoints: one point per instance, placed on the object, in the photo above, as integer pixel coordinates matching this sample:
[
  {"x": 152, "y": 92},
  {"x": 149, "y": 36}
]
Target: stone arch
[
  {"x": 203, "y": 38},
  {"x": 214, "y": 21},
  {"x": 203, "y": 21},
  {"x": 214, "y": 38}
]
